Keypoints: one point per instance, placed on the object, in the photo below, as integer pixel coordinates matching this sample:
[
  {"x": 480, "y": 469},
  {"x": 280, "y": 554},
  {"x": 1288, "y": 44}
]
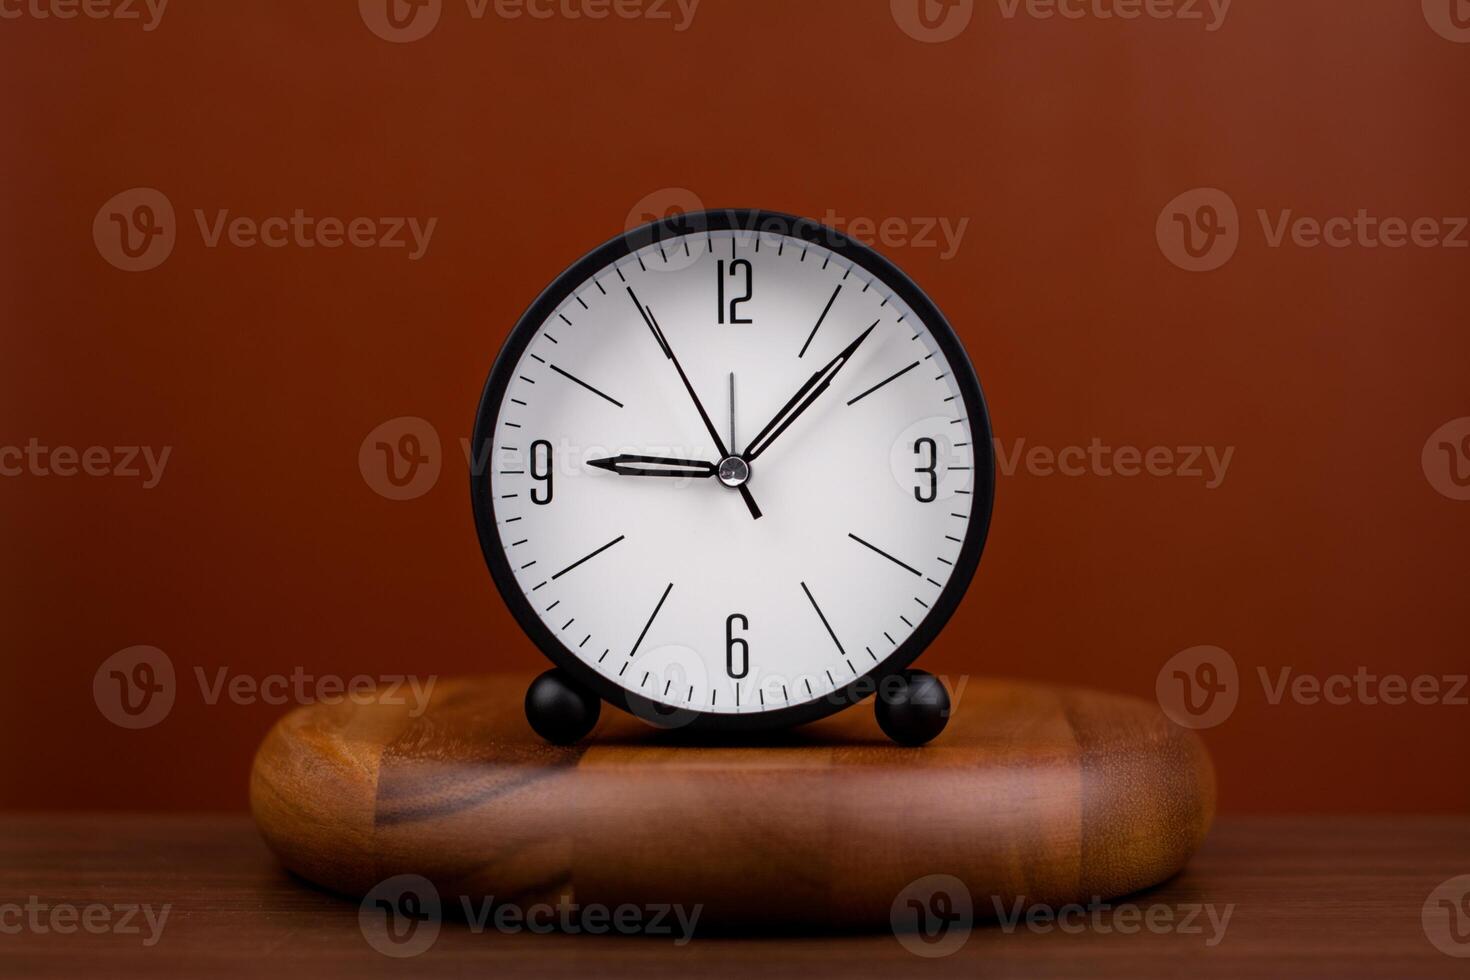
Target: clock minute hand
[
  {"x": 627, "y": 464},
  {"x": 802, "y": 400}
]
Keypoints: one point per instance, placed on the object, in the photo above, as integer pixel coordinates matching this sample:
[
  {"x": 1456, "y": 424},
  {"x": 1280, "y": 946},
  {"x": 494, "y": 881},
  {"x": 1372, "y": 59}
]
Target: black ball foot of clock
[
  {"x": 560, "y": 710},
  {"x": 912, "y": 707}
]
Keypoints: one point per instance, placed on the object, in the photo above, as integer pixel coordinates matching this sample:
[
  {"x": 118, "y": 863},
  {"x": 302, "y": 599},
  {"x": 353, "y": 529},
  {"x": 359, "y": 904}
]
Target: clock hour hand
[
  {"x": 802, "y": 400},
  {"x": 630, "y": 465}
]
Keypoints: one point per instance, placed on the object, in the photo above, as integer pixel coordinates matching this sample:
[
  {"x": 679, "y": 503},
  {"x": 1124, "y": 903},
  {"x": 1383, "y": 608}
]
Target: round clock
[{"x": 733, "y": 471}]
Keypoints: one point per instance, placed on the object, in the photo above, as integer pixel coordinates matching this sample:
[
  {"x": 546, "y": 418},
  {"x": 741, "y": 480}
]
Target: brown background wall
[{"x": 263, "y": 548}]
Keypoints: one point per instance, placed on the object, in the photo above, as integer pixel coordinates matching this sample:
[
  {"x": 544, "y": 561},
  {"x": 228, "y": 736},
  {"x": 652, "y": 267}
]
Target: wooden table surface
[{"x": 1312, "y": 896}]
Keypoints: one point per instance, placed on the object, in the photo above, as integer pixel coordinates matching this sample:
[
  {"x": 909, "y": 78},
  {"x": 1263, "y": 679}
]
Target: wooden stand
[{"x": 1050, "y": 794}]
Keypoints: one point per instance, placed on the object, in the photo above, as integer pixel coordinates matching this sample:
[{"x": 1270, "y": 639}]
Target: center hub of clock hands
[{"x": 734, "y": 471}]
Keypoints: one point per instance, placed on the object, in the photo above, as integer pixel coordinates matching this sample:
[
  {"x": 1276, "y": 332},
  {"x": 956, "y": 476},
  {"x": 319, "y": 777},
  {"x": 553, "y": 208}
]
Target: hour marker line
[
  {"x": 588, "y": 557},
  {"x": 577, "y": 380},
  {"x": 823, "y": 618},
  {"x": 639, "y": 641},
  {"x": 903, "y": 565},
  {"x": 892, "y": 377},
  {"x": 827, "y": 309}
]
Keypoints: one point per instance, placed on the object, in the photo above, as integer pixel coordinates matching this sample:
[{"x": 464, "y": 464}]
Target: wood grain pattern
[
  {"x": 1315, "y": 896},
  {"x": 1048, "y": 793}
]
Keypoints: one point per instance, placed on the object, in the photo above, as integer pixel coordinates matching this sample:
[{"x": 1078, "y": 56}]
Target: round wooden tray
[{"x": 1051, "y": 794}]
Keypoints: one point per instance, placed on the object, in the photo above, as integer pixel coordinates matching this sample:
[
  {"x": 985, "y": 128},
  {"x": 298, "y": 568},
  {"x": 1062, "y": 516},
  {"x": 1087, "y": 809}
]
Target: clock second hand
[{"x": 663, "y": 343}]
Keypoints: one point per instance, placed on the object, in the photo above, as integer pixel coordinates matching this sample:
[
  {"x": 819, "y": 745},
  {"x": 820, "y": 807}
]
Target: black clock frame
[{"x": 754, "y": 221}]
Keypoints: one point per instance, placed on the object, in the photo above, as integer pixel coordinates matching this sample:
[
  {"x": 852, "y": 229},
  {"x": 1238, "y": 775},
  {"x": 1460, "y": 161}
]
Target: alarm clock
[{"x": 733, "y": 472}]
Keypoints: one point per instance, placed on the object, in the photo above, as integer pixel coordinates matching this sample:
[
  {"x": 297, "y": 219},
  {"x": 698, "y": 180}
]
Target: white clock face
[{"x": 691, "y": 385}]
